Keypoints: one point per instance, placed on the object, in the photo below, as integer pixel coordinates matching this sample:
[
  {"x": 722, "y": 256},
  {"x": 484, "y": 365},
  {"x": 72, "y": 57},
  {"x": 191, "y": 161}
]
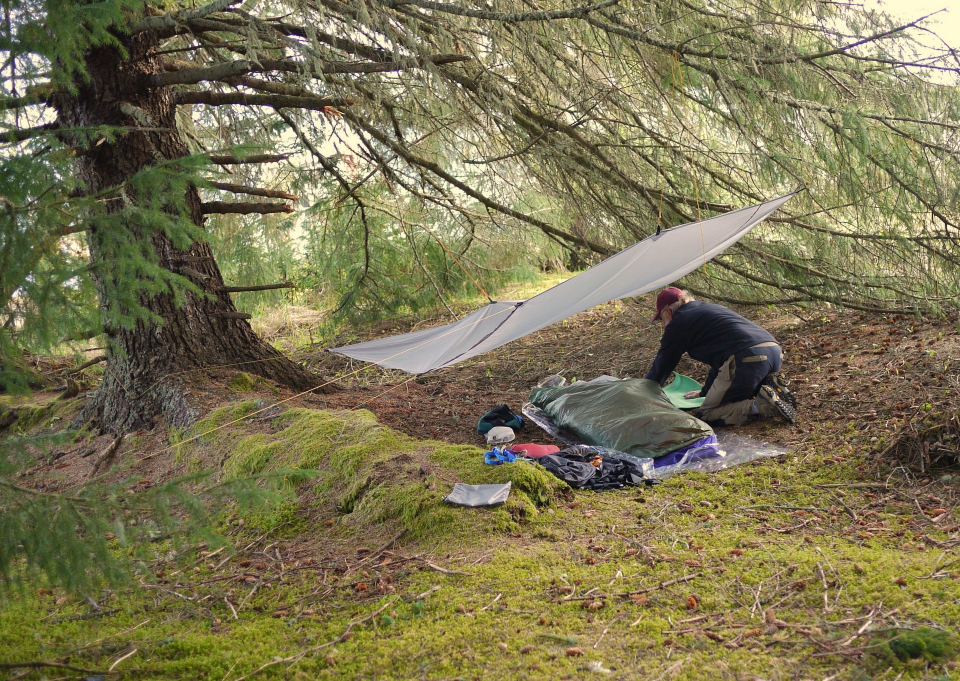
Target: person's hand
[{"x": 690, "y": 395}]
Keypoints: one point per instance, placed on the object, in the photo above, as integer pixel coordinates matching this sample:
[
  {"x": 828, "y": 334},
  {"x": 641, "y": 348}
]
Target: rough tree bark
[{"x": 143, "y": 379}]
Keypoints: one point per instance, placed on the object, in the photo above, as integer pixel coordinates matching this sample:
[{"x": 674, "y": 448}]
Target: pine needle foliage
[
  {"x": 621, "y": 118},
  {"x": 97, "y": 534},
  {"x": 514, "y": 132}
]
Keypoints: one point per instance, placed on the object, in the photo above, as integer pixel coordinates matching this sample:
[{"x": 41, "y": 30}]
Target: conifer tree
[{"x": 591, "y": 123}]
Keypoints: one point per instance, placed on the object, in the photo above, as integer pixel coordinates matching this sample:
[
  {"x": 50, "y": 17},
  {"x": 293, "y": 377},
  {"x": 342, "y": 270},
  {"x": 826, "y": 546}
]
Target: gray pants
[{"x": 730, "y": 399}]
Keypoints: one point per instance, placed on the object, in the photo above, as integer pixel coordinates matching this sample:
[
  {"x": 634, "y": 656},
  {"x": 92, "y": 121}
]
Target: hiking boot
[
  {"x": 778, "y": 384},
  {"x": 770, "y": 405}
]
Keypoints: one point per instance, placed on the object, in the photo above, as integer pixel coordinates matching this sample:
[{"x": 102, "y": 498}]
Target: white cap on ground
[{"x": 499, "y": 435}]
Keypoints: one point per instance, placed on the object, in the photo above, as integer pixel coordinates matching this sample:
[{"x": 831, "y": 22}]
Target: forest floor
[{"x": 838, "y": 560}]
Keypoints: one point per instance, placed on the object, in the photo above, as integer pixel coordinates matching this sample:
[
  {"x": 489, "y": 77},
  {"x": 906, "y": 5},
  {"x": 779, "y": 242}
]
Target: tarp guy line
[{"x": 657, "y": 261}]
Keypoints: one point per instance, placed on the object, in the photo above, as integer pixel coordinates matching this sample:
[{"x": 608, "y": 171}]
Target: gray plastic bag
[{"x": 478, "y": 495}]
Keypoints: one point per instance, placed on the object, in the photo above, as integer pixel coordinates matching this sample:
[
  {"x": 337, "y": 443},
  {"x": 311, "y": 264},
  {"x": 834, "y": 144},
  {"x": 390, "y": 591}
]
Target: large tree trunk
[{"x": 143, "y": 378}]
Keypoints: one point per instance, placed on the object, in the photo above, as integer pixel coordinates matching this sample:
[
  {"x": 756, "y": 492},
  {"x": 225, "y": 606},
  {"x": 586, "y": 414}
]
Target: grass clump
[
  {"x": 242, "y": 383},
  {"x": 927, "y": 643}
]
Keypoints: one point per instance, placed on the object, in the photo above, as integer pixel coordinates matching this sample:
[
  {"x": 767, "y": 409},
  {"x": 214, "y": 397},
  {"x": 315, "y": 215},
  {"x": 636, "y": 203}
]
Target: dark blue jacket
[{"x": 707, "y": 332}]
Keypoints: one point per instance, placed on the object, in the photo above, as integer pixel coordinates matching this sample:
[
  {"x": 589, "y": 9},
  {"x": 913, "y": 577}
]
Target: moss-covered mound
[{"x": 371, "y": 474}]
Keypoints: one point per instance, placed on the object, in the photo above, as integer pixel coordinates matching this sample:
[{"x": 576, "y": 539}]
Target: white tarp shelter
[{"x": 653, "y": 263}]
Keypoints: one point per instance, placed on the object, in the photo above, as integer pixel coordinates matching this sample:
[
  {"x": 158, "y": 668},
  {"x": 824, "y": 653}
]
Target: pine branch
[
  {"x": 412, "y": 158},
  {"x": 89, "y": 363},
  {"x": 21, "y": 134},
  {"x": 241, "y": 208},
  {"x": 79, "y": 336},
  {"x": 254, "y": 191},
  {"x": 230, "y": 159},
  {"x": 808, "y": 292},
  {"x": 240, "y": 67},
  {"x": 168, "y": 25},
  {"x": 681, "y": 49},
  {"x": 243, "y": 99},
  {"x": 233, "y": 315},
  {"x": 264, "y": 287},
  {"x": 37, "y": 95},
  {"x": 504, "y": 17},
  {"x": 276, "y": 88}
]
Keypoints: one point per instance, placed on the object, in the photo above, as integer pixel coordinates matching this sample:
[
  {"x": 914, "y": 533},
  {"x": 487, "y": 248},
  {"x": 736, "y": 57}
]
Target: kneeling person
[{"x": 744, "y": 359}]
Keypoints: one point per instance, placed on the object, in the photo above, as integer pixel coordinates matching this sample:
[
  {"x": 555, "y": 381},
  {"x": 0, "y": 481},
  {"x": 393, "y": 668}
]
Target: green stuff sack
[
  {"x": 679, "y": 387},
  {"x": 632, "y": 416}
]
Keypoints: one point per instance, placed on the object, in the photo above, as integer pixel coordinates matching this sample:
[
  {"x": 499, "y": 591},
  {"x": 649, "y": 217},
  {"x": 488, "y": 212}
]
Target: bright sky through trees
[{"x": 946, "y": 24}]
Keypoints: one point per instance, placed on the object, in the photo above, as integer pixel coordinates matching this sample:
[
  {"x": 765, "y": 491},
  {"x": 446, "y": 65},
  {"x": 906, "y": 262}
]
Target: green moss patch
[
  {"x": 374, "y": 476},
  {"x": 785, "y": 568}
]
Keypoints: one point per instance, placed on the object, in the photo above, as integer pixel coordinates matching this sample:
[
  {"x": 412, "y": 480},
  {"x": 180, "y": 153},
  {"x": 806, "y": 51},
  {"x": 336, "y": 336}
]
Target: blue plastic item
[{"x": 499, "y": 455}]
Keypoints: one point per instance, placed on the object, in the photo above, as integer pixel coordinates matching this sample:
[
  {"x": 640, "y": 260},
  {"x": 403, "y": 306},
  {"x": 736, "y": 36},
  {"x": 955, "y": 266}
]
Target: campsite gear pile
[
  {"x": 499, "y": 418},
  {"x": 632, "y": 416},
  {"x": 596, "y": 468},
  {"x": 635, "y": 414},
  {"x": 497, "y": 425},
  {"x": 580, "y": 466}
]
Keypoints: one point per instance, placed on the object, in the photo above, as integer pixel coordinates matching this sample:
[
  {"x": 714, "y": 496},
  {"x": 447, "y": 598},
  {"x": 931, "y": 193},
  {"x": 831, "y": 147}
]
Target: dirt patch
[{"x": 877, "y": 371}]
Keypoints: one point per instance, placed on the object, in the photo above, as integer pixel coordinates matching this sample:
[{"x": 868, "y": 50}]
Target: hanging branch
[
  {"x": 169, "y": 24},
  {"x": 503, "y": 17},
  {"x": 242, "y": 67},
  {"x": 240, "y": 208},
  {"x": 470, "y": 191},
  {"x": 86, "y": 365},
  {"x": 254, "y": 191},
  {"x": 229, "y": 159},
  {"x": 264, "y": 287}
]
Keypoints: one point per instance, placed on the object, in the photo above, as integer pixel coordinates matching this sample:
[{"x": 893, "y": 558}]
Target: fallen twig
[
  {"x": 299, "y": 656},
  {"x": 430, "y": 591},
  {"x": 491, "y": 602},
  {"x": 627, "y": 594},
  {"x": 444, "y": 570},
  {"x": 262, "y": 536},
  {"x": 373, "y": 614},
  {"x": 383, "y": 548},
  {"x": 121, "y": 659},
  {"x": 86, "y": 616},
  {"x": 55, "y": 665},
  {"x": 856, "y": 485},
  {"x": 249, "y": 595},
  {"x": 106, "y": 457}
]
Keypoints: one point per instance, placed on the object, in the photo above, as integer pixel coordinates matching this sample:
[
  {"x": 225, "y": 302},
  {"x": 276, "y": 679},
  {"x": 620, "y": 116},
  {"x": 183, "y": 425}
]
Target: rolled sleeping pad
[{"x": 534, "y": 451}]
